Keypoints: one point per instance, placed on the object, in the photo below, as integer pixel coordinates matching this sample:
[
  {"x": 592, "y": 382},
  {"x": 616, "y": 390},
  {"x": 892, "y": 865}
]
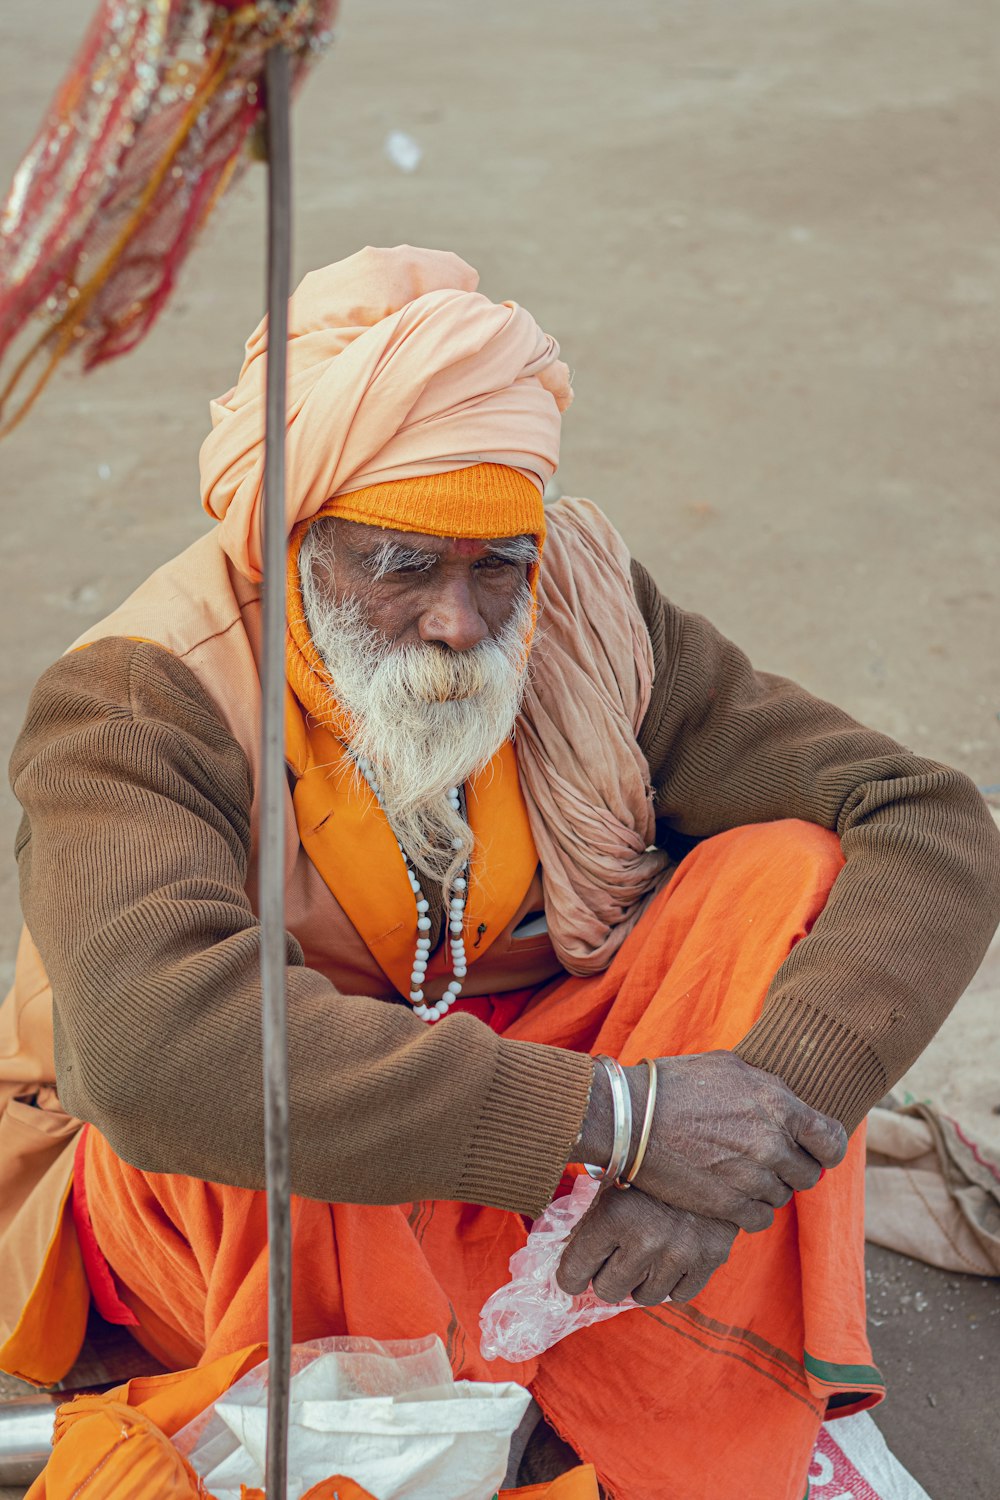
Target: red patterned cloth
[{"x": 144, "y": 135}]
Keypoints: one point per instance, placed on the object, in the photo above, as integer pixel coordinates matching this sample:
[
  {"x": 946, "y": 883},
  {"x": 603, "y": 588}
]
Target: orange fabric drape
[
  {"x": 722, "y": 1396},
  {"x": 50, "y": 1331},
  {"x": 578, "y": 1484},
  {"x": 117, "y": 1446}
]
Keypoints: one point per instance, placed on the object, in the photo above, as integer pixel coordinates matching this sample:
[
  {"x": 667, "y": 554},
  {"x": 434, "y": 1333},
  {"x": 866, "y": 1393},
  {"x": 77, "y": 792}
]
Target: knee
[{"x": 789, "y": 844}]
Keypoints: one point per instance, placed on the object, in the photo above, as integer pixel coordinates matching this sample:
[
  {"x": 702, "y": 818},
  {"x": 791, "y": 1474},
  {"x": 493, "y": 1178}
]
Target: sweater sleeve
[
  {"x": 913, "y": 910},
  {"x": 132, "y": 856}
]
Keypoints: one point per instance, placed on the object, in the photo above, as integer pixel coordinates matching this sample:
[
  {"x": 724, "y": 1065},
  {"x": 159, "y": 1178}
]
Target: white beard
[{"x": 425, "y": 718}]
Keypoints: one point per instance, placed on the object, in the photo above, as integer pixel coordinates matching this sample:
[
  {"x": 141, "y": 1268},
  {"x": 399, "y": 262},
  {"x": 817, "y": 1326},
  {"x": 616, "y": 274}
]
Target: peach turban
[{"x": 397, "y": 367}]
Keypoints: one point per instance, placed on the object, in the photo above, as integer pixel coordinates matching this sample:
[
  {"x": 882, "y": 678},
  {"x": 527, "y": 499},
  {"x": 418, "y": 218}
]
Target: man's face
[
  {"x": 425, "y": 640},
  {"x": 413, "y": 588}
]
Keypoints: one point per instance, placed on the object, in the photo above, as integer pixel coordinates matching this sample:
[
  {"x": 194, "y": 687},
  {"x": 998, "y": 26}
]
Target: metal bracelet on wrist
[
  {"x": 647, "y": 1125},
  {"x": 621, "y": 1101}
]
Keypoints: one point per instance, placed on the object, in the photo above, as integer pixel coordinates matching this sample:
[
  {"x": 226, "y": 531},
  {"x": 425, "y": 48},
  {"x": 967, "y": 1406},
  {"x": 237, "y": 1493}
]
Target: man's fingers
[
  {"x": 587, "y": 1249},
  {"x": 798, "y": 1169},
  {"x": 702, "y": 1248},
  {"x": 629, "y": 1246},
  {"x": 618, "y": 1277},
  {"x": 573, "y": 1279},
  {"x": 757, "y": 1183},
  {"x": 659, "y": 1284},
  {"x": 749, "y": 1214},
  {"x": 579, "y": 1265},
  {"x": 823, "y": 1138},
  {"x": 691, "y": 1283},
  {"x": 717, "y": 1242}
]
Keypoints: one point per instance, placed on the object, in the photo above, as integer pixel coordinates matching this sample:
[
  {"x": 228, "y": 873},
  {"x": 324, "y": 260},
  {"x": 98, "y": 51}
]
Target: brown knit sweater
[{"x": 133, "y": 854}]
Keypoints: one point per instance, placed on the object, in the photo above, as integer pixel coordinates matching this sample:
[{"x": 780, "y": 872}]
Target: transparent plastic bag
[{"x": 532, "y": 1312}]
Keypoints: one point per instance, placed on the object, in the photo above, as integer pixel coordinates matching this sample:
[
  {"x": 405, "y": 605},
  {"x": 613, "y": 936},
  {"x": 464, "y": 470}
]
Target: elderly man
[{"x": 537, "y": 817}]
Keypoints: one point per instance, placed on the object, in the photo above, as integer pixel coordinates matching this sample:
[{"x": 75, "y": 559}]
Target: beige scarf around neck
[{"x": 585, "y": 779}]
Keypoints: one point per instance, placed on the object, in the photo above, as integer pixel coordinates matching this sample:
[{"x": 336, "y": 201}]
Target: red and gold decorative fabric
[{"x": 146, "y": 132}]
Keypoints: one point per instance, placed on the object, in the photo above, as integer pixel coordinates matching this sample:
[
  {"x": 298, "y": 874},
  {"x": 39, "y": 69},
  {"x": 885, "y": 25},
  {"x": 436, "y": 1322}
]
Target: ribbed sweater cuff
[
  {"x": 528, "y": 1122},
  {"x": 828, "y": 1066}
]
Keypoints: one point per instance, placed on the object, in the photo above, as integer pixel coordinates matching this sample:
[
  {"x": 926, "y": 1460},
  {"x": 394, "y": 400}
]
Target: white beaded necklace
[{"x": 456, "y": 914}]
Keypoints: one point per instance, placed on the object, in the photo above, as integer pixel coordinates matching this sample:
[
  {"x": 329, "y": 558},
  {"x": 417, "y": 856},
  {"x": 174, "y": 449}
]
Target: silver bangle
[
  {"x": 647, "y": 1124},
  {"x": 621, "y": 1101}
]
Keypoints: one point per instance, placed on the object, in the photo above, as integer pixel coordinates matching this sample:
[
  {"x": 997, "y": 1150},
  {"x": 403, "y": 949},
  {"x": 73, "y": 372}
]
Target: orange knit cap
[{"x": 484, "y": 500}]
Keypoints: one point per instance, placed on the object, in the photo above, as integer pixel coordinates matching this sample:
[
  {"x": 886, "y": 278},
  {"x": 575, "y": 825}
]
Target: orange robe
[{"x": 724, "y": 1395}]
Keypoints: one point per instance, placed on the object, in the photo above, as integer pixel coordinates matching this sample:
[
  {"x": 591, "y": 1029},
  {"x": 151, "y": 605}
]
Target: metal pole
[{"x": 272, "y": 825}]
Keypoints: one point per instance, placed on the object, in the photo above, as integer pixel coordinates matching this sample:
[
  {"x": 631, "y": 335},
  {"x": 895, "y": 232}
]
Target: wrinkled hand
[
  {"x": 629, "y": 1245},
  {"x": 729, "y": 1141}
]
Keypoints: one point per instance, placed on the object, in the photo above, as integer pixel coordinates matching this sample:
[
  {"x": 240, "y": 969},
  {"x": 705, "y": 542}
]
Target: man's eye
[{"x": 494, "y": 564}]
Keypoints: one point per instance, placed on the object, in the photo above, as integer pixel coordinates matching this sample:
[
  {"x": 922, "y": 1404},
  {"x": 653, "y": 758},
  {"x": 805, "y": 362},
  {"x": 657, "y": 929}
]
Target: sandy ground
[{"x": 766, "y": 237}]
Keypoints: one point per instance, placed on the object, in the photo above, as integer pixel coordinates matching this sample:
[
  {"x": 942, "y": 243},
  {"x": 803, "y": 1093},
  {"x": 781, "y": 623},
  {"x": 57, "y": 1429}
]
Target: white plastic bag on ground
[
  {"x": 852, "y": 1462},
  {"x": 387, "y": 1415}
]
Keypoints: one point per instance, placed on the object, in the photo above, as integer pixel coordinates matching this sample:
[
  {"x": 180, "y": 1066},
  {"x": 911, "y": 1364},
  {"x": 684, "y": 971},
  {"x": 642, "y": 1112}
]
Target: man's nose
[{"x": 453, "y": 619}]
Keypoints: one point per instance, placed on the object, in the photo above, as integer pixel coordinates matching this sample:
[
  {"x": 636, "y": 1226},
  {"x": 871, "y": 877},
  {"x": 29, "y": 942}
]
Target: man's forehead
[{"x": 364, "y": 539}]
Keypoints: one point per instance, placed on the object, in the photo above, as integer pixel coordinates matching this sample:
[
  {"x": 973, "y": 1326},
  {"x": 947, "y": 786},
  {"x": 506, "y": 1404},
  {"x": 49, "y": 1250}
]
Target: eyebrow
[
  {"x": 515, "y": 549},
  {"x": 394, "y": 557}
]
